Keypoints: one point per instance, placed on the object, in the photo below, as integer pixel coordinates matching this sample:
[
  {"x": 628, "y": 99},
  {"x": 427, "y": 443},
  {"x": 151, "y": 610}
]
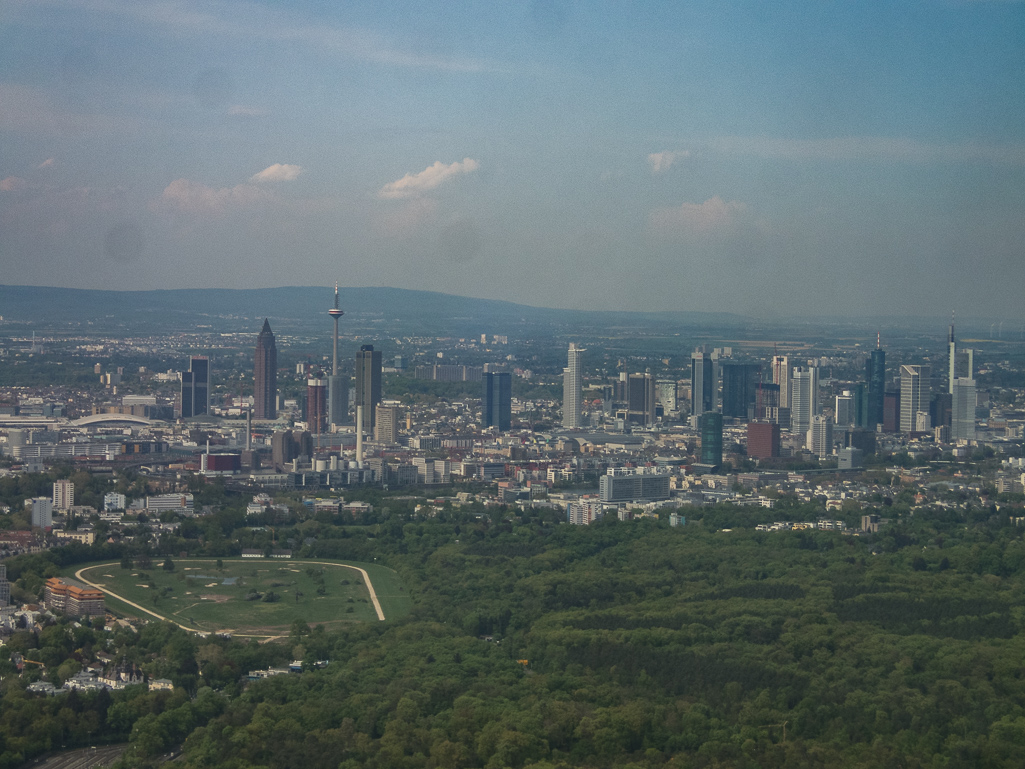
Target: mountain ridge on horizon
[
  {"x": 22, "y": 304},
  {"x": 42, "y": 304}
]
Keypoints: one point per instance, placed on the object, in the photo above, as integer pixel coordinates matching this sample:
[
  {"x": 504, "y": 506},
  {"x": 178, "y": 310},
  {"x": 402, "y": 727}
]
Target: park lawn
[
  {"x": 394, "y": 598},
  {"x": 199, "y": 596}
]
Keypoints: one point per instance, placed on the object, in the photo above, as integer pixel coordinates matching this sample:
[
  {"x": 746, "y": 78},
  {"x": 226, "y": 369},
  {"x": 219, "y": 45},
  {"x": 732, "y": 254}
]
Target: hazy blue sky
[{"x": 764, "y": 157}]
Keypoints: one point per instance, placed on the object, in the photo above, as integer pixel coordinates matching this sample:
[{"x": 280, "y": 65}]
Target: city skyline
[{"x": 725, "y": 155}]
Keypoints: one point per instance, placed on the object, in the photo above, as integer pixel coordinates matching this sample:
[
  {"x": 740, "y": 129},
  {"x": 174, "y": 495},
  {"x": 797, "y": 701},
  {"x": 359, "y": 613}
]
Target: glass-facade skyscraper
[
  {"x": 875, "y": 378},
  {"x": 196, "y": 387},
  {"x": 739, "y": 389},
  {"x": 711, "y": 438},
  {"x": 368, "y": 385},
  {"x": 496, "y": 401},
  {"x": 702, "y": 383},
  {"x": 265, "y": 375}
]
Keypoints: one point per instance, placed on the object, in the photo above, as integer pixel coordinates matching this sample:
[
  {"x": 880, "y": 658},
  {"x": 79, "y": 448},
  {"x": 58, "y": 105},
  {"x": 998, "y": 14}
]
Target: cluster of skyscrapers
[{"x": 788, "y": 397}]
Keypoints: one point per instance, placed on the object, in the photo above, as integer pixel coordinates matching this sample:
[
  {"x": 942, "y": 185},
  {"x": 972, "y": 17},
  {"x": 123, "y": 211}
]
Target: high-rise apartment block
[
  {"x": 386, "y": 427},
  {"x": 196, "y": 388},
  {"x": 265, "y": 375},
  {"x": 496, "y": 400},
  {"x": 42, "y": 512},
  {"x": 63, "y": 495},
  {"x": 368, "y": 385},
  {"x": 572, "y": 390}
]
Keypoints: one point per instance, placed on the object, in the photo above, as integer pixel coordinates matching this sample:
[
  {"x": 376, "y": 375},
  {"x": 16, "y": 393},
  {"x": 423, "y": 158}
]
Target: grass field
[{"x": 199, "y": 596}]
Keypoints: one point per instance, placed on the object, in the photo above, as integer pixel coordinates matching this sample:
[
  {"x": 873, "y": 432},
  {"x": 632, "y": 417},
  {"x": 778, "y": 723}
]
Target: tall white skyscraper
[
  {"x": 820, "y": 436},
  {"x": 914, "y": 395},
  {"x": 962, "y": 416},
  {"x": 572, "y": 389},
  {"x": 952, "y": 359},
  {"x": 781, "y": 377},
  {"x": 804, "y": 398}
]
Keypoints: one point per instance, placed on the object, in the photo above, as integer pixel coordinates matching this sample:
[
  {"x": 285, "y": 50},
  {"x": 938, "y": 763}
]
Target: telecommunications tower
[{"x": 338, "y": 390}]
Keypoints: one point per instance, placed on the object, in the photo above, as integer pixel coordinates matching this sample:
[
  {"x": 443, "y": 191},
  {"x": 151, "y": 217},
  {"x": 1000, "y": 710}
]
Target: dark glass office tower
[
  {"x": 368, "y": 384},
  {"x": 711, "y": 438},
  {"x": 739, "y": 389},
  {"x": 875, "y": 377},
  {"x": 496, "y": 406},
  {"x": 196, "y": 387},
  {"x": 265, "y": 375}
]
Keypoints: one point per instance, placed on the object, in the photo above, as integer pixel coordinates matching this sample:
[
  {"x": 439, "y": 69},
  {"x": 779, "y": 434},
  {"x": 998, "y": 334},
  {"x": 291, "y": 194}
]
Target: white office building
[
  {"x": 914, "y": 397},
  {"x": 804, "y": 398},
  {"x": 572, "y": 390},
  {"x": 820, "y": 436}
]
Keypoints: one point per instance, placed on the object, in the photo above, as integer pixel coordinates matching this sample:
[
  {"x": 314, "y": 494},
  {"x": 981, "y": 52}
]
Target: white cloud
[
  {"x": 411, "y": 185},
  {"x": 48, "y": 163},
  {"x": 714, "y": 215},
  {"x": 660, "y": 161},
  {"x": 279, "y": 172},
  {"x": 12, "y": 184},
  {"x": 192, "y": 197}
]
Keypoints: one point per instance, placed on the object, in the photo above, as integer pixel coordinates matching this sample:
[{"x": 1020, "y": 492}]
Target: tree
[{"x": 168, "y": 564}]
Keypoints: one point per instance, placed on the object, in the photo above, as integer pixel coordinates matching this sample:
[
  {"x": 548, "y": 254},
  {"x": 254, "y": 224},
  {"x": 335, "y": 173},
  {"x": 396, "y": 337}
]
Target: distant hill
[
  {"x": 231, "y": 308},
  {"x": 294, "y": 308}
]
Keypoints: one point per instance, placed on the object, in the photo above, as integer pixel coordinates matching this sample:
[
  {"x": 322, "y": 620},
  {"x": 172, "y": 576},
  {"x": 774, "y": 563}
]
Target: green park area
[{"x": 261, "y": 597}]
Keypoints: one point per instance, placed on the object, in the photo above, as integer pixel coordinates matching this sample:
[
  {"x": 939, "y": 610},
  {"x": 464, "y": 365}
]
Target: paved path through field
[{"x": 366, "y": 581}]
